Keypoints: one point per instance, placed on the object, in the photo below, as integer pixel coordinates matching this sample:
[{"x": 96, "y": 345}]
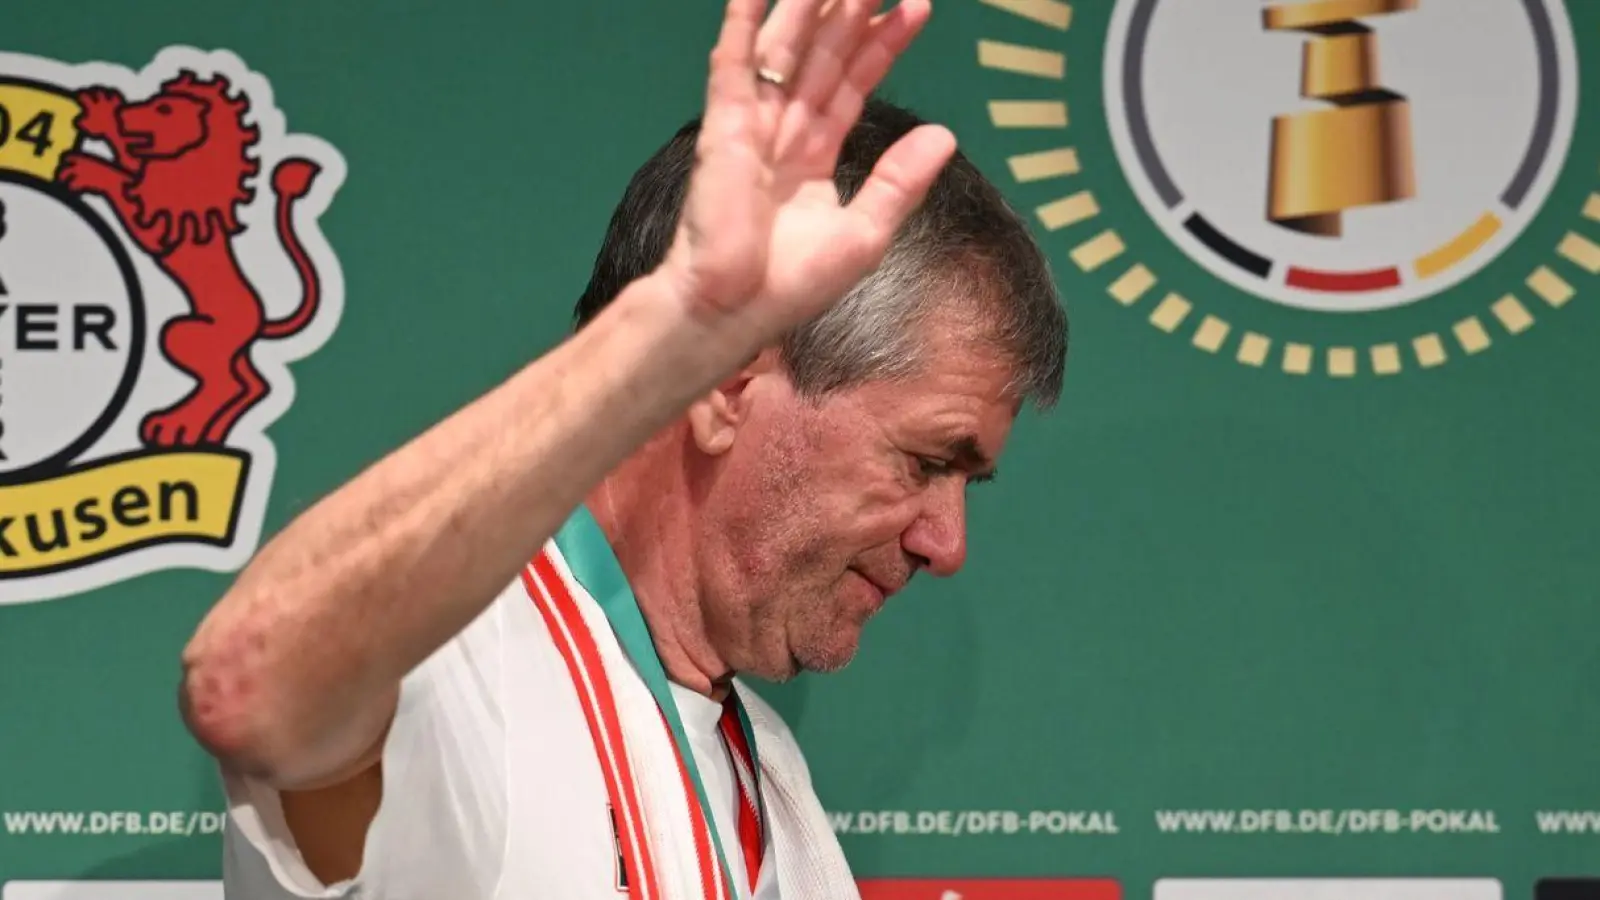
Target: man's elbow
[
  {"x": 245, "y": 710},
  {"x": 222, "y": 705}
]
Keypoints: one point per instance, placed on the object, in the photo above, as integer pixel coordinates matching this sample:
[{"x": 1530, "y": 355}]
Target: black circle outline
[
  {"x": 61, "y": 459},
  {"x": 1167, "y": 190}
]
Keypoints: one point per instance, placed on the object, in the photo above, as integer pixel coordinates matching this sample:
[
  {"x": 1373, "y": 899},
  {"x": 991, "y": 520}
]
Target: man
[{"x": 500, "y": 662}]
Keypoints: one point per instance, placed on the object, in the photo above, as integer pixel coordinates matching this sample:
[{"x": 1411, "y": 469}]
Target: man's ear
[{"x": 715, "y": 419}]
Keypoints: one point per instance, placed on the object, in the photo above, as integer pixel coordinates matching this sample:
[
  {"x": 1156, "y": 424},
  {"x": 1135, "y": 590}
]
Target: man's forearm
[{"x": 293, "y": 674}]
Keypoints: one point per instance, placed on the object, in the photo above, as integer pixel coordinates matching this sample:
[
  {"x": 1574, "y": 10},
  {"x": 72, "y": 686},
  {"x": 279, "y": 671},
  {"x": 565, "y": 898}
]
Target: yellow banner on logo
[
  {"x": 37, "y": 126},
  {"x": 152, "y": 498}
]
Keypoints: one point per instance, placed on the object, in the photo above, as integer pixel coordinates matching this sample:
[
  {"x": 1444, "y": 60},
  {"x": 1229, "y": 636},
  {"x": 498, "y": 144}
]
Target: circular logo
[
  {"x": 1341, "y": 155},
  {"x": 71, "y": 327}
]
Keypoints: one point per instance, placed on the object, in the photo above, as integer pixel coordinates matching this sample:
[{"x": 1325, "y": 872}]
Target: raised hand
[{"x": 763, "y": 242}]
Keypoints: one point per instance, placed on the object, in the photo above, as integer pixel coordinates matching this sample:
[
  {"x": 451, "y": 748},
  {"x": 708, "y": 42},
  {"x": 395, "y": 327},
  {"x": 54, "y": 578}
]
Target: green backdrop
[{"x": 1265, "y": 557}]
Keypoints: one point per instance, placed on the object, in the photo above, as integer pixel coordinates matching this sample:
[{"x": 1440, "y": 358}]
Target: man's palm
[{"x": 763, "y": 237}]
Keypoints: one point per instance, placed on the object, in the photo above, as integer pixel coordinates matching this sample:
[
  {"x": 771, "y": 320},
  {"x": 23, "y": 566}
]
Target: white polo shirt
[{"x": 491, "y": 788}]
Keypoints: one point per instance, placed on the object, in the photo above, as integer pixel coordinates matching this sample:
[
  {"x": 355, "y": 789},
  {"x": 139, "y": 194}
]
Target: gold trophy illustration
[{"x": 1356, "y": 153}]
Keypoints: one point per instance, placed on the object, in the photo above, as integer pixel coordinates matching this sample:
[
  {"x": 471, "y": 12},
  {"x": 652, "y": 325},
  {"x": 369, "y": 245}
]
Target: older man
[{"x": 501, "y": 662}]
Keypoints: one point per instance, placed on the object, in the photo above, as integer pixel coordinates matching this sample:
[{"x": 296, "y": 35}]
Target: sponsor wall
[{"x": 1291, "y": 598}]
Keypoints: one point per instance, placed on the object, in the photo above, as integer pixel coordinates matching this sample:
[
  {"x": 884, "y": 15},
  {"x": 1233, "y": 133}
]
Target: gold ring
[{"x": 771, "y": 77}]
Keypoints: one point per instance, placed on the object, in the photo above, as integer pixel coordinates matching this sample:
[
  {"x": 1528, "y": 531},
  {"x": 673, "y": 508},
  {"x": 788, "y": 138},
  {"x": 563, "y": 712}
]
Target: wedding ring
[{"x": 771, "y": 77}]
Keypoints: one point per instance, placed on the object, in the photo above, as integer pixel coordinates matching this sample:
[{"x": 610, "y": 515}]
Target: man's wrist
[{"x": 677, "y": 329}]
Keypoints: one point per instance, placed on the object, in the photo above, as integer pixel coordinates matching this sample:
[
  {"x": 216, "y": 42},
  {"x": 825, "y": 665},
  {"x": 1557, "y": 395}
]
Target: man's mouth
[{"x": 885, "y": 590}]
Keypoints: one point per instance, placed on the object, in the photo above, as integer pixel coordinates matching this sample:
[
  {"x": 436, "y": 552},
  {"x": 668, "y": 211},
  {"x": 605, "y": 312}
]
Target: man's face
[{"x": 823, "y": 508}]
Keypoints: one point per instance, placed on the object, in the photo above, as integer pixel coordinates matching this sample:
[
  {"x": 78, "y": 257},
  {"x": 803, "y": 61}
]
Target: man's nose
[{"x": 938, "y": 537}]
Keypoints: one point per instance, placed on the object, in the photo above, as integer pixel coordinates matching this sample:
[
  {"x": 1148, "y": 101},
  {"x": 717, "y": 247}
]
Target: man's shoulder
[{"x": 465, "y": 675}]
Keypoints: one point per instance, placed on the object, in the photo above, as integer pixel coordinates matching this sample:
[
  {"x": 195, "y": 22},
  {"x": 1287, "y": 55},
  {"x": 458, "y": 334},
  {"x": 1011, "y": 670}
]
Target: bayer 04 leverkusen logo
[
  {"x": 160, "y": 266},
  {"x": 1339, "y": 188}
]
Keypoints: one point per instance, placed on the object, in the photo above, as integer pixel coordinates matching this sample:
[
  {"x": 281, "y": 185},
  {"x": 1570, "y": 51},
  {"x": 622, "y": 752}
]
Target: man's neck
[{"x": 648, "y": 535}]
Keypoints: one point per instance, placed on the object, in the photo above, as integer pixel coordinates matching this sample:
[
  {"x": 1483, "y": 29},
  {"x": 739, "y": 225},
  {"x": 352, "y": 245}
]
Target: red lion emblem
[{"x": 180, "y": 170}]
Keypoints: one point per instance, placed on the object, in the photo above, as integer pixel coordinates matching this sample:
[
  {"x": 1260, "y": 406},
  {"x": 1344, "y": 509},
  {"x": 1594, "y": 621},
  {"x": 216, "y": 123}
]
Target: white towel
[{"x": 810, "y": 863}]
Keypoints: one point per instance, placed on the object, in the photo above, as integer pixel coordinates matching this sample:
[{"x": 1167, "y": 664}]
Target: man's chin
[
  {"x": 832, "y": 656},
  {"x": 822, "y": 654},
  {"x": 797, "y": 664}
]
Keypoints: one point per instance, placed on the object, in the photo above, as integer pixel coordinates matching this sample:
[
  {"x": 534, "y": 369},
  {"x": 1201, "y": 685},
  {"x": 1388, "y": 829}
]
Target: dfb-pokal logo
[
  {"x": 160, "y": 266},
  {"x": 1315, "y": 188}
]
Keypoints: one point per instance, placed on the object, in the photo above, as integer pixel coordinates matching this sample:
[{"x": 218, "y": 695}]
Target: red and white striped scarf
[{"x": 667, "y": 842}]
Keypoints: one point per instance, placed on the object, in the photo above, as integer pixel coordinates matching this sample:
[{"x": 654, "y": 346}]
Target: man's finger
[
  {"x": 733, "y": 58},
  {"x": 833, "y": 50},
  {"x": 887, "y": 38},
  {"x": 902, "y": 178},
  {"x": 731, "y": 86},
  {"x": 784, "y": 40}
]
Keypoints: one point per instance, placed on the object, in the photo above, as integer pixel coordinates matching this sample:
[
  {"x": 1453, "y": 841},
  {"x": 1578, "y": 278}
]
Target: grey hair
[
  {"x": 868, "y": 335},
  {"x": 964, "y": 249}
]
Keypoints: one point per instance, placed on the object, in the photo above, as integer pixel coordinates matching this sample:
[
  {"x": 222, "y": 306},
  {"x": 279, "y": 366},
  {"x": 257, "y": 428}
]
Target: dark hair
[{"x": 964, "y": 244}]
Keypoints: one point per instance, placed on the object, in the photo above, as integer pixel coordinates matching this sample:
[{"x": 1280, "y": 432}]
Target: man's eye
[{"x": 932, "y": 467}]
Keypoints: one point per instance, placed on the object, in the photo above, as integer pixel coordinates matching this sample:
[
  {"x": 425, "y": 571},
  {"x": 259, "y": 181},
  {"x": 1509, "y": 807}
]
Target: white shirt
[
  {"x": 701, "y": 718},
  {"x": 491, "y": 788}
]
